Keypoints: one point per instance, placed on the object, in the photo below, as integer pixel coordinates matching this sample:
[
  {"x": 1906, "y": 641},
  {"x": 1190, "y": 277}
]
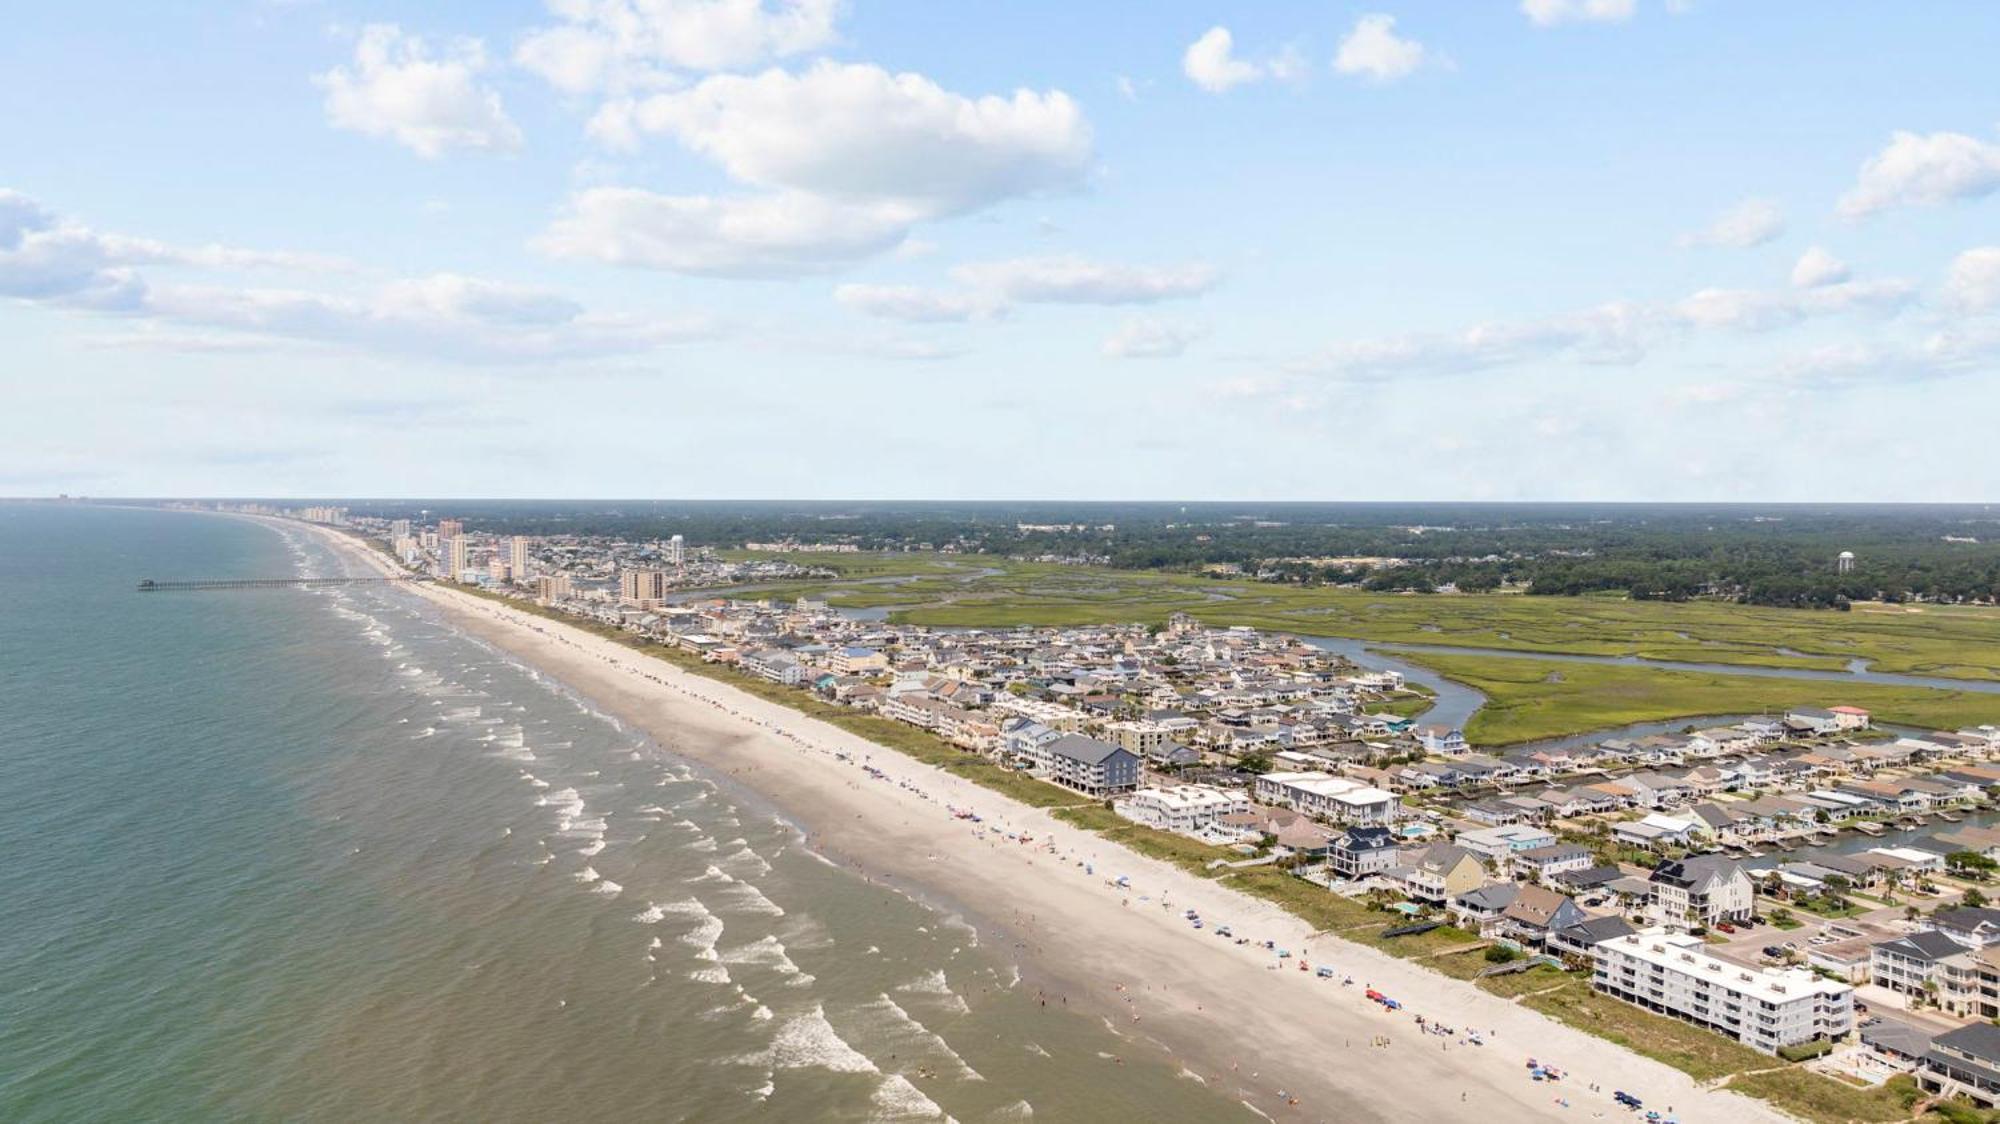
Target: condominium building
[
  {"x": 1186, "y": 808},
  {"x": 517, "y": 558},
  {"x": 1763, "y": 1008},
  {"x": 552, "y": 587},
  {"x": 644, "y": 588},
  {"x": 450, "y": 528},
  {"x": 1321, "y": 794},
  {"x": 453, "y": 551},
  {"x": 676, "y": 551}
]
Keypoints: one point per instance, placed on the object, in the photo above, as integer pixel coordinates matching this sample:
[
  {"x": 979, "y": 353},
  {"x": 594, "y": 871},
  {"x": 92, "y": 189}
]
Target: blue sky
[{"x": 1561, "y": 249}]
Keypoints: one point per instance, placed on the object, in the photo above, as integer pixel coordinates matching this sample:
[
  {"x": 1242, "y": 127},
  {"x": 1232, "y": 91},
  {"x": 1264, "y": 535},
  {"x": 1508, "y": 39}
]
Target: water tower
[{"x": 1845, "y": 562}]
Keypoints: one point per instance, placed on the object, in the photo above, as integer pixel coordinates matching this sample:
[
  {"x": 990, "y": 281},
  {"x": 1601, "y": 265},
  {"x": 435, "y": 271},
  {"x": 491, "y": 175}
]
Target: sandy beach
[{"x": 1293, "y": 1046}]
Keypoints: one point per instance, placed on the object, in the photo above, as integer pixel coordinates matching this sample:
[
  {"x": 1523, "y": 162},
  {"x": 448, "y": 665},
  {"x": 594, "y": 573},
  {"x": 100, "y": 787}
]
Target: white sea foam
[
  {"x": 911, "y": 1037},
  {"x": 587, "y": 874},
  {"x": 714, "y": 973},
  {"x": 608, "y": 888},
  {"x": 703, "y": 844},
  {"x": 592, "y": 848},
  {"x": 711, "y": 875},
  {"x": 768, "y": 952},
  {"x": 896, "y": 1099},
  {"x": 743, "y": 856},
  {"x": 933, "y": 985},
  {"x": 653, "y": 915},
  {"x": 746, "y": 898},
  {"x": 810, "y": 1042}
]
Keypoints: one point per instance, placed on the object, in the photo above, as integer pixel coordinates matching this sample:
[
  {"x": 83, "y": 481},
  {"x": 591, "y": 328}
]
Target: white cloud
[
  {"x": 445, "y": 316},
  {"x": 777, "y": 235},
  {"x": 1817, "y": 267},
  {"x": 1144, "y": 337},
  {"x": 428, "y": 104},
  {"x": 910, "y": 303},
  {"x": 619, "y": 44},
  {"x": 1211, "y": 63},
  {"x": 1548, "y": 13},
  {"x": 1620, "y": 332},
  {"x": 1373, "y": 50},
  {"x": 1973, "y": 284},
  {"x": 858, "y": 132},
  {"x": 851, "y": 157},
  {"x": 1751, "y": 222},
  {"x": 1916, "y": 170},
  {"x": 1074, "y": 280}
]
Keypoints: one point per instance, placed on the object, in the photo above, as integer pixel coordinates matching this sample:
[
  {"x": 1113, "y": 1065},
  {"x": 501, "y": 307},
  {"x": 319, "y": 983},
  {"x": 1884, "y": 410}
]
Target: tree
[
  {"x": 1970, "y": 864},
  {"x": 1973, "y": 899}
]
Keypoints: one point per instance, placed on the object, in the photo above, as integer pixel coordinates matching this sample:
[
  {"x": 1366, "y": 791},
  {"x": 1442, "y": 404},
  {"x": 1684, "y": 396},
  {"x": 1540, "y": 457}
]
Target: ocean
[{"x": 317, "y": 855}]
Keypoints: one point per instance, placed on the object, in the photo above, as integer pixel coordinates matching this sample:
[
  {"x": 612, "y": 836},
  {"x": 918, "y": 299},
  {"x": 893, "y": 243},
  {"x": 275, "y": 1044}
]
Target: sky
[{"x": 1470, "y": 250}]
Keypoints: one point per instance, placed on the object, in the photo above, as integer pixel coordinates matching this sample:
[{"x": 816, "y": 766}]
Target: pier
[{"x": 199, "y": 585}]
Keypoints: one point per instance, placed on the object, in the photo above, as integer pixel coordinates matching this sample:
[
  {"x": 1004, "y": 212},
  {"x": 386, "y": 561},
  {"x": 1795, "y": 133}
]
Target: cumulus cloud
[
  {"x": 1973, "y": 285},
  {"x": 1751, "y": 222},
  {"x": 1373, "y": 50},
  {"x": 1211, "y": 63},
  {"x": 430, "y": 104},
  {"x": 850, "y": 155},
  {"x": 1145, "y": 337},
  {"x": 1620, "y": 332},
  {"x": 51, "y": 261},
  {"x": 778, "y": 235},
  {"x": 1919, "y": 170},
  {"x": 1074, "y": 280},
  {"x": 911, "y": 303},
  {"x": 1817, "y": 267},
  {"x": 1548, "y": 13},
  {"x": 621, "y": 44}
]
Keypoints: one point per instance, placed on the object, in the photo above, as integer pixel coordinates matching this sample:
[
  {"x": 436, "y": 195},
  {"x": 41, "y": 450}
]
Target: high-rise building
[
  {"x": 644, "y": 588},
  {"x": 677, "y": 551},
  {"x": 552, "y": 587},
  {"x": 399, "y": 528},
  {"x": 517, "y": 558},
  {"x": 450, "y": 528},
  {"x": 453, "y": 550}
]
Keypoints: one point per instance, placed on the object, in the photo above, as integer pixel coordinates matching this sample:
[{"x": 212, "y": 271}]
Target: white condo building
[
  {"x": 1322, "y": 794},
  {"x": 1763, "y": 1008},
  {"x": 1186, "y": 808}
]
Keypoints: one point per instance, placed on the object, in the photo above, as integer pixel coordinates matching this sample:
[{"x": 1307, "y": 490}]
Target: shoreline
[{"x": 1125, "y": 954}]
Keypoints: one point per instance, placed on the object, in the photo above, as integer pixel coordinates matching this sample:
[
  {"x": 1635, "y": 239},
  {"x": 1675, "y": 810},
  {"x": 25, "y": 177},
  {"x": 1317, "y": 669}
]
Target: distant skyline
[{"x": 1592, "y": 250}]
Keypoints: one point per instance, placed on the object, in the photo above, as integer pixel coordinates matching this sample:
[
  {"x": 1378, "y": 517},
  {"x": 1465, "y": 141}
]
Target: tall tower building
[
  {"x": 450, "y": 528},
  {"x": 643, "y": 588},
  {"x": 677, "y": 551},
  {"x": 453, "y": 550},
  {"x": 399, "y": 528},
  {"x": 517, "y": 558}
]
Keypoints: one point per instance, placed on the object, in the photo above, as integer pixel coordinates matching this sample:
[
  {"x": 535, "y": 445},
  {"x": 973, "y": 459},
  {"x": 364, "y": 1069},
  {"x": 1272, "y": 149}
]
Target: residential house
[{"x": 1701, "y": 890}]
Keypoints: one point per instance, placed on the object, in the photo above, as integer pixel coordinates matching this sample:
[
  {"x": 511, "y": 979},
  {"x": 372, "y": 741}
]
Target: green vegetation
[
  {"x": 1530, "y": 699},
  {"x": 1541, "y": 977},
  {"x": 993, "y": 592},
  {"x": 1824, "y": 1100}
]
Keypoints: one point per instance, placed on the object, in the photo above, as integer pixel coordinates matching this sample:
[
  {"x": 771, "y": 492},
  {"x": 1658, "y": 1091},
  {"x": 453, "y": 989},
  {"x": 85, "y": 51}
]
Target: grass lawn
[{"x": 1532, "y": 699}]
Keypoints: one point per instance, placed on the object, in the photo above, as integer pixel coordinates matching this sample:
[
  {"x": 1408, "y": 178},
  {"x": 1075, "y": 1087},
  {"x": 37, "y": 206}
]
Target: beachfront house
[
  {"x": 1964, "y": 1063},
  {"x": 1340, "y": 799},
  {"x": 1438, "y": 874},
  {"x": 1701, "y": 890},
  {"x": 1363, "y": 852},
  {"x": 1090, "y": 766},
  {"x": 1543, "y": 863}
]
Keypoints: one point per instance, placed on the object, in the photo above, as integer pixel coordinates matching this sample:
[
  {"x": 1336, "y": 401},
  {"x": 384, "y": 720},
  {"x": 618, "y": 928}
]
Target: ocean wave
[
  {"x": 587, "y": 874},
  {"x": 711, "y": 875},
  {"x": 909, "y": 1036},
  {"x": 743, "y": 856},
  {"x": 896, "y": 1099},
  {"x": 595, "y": 846},
  {"x": 747, "y": 898},
  {"x": 608, "y": 888},
  {"x": 934, "y": 986},
  {"x": 714, "y": 973},
  {"x": 809, "y": 1042}
]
